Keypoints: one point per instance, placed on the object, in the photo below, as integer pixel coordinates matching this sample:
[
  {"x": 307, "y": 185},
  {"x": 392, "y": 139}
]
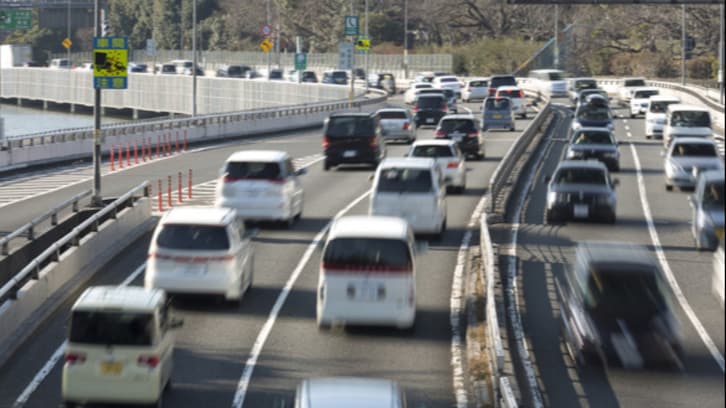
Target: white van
[
  {"x": 655, "y": 115},
  {"x": 60, "y": 63},
  {"x": 413, "y": 189},
  {"x": 349, "y": 392},
  {"x": 120, "y": 347},
  {"x": 202, "y": 250},
  {"x": 368, "y": 273},
  {"x": 639, "y": 100},
  {"x": 686, "y": 121},
  {"x": 550, "y": 82},
  {"x": 261, "y": 185}
]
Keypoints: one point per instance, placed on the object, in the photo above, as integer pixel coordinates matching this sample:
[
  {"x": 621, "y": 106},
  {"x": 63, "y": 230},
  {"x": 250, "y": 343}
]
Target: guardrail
[
  {"x": 31, "y": 271},
  {"x": 30, "y": 226}
]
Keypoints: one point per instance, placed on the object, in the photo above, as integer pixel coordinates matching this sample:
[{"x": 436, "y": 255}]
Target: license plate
[
  {"x": 111, "y": 368},
  {"x": 497, "y": 116},
  {"x": 350, "y": 153},
  {"x": 368, "y": 292},
  {"x": 429, "y": 120},
  {"x": 581, "y": 211},
  {"x": 200, "y": 269}
]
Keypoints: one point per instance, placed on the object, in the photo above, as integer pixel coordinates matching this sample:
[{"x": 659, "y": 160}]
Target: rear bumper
[
  {"x": 81, "y": 387},
  {"x": 271, "y": 210},
  {"x": 339, "y": 157},
  {"x": 211, "y": 283},
  {"x": 365, "y": 313}
]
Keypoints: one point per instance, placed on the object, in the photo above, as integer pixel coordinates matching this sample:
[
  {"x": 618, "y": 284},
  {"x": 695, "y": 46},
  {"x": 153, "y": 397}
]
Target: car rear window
[
  {"x": 496, "y": 82},
  {"x": 634, "y": 82},
  {"x": 585, "y": 84},
  {"x": 589, "y": 137},
  {"x": 255, "y": 170},
  {"x": 660, "y": 106},
  {"x": 432, "y": 151},
  {"x": 193, "y": 237},
  {"x": 423, "y": 86},
  {"x": 111, "y": 328},
  {"x": 430, "y": 102},
  {"x": 401, "y": 180},
  {"x": 496, "y": 103},
  {"x": 234, "y": 70},
  {"x": 634, "y": 294},
  {"x": 449, "y": 80},
  {"x": 478, "y": 84},
  {"x": 593, "y": 113},
  {"x": 339, "y": 75},
  {"x": 510, "y": 93},
  {"x": 462, "y": 125},
  {"x": 691, "y": 119},
  {"x": 694, "y": 149},
  {"x": 586, "y": 92},
  {"x": 350, "y": 126},
  {"x": 580, "y": 176},
  {"x": 645, "y": 94},
  {"x": 367, "y": 253},
  {"x": 392, "y": 115}
]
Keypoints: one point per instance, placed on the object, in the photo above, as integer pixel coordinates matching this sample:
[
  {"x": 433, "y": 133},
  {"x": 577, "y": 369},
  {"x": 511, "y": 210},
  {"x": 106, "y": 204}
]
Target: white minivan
[
  {"x": 201, "y": 250},
  {"x": 655, "y": 114},
  {"x": 120, "y": 347},
  {"x": 550, "y": 82},
  {"x": 413, "y": 189},
  {"x": 686, "y": 121},
  {"x": 349, "y": 392},
  {"x": 368, "y": 273},
  {"x": 261, "y": 185}
]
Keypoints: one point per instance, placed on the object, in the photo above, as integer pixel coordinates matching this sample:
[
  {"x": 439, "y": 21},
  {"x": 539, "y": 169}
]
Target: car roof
[
  {"x": 644, "y": 88},
  {"x": 442, "y": 77},
  {"x": 583, "y": 79},
  {"x": 478, "y": 79},
  {"x": 432, "y": 95},
  {"x": 617, "y": 253},
  {"x": 134, "y": 298},
  {"x": 692, "y": 140},
  {"x": 508, "y": 88},
  {"x": 258, "y": 155},
  {"x": 198, "y": 215},
  {"x": 631, "y": 78},
  {"x": 683, "y": 106},
  {"x": 349, "y": 392},
  {"x": 369, "y": 226},
  {"x": 501, "y": 76},
  {"x": 349, "y": 114},
  {"x": 592, "y": 129},
  {"x": 459, "y": 116},
  {"x": 409, "y": 162},
  {"x": 547, "y": 70},
  {"x": 392, "y": 110},
  {"x": 664, "y": 98},
  {"x": 581, "y": 164},
  {"x": 434, "y": 142}
]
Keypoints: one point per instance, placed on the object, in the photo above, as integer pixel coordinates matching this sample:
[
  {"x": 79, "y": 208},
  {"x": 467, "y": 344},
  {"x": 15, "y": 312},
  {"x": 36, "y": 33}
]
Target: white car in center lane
[
  {"x": 448, "y": 81},
  {"x": 447, "y": 156},
  {"x": 411, "y": 93}
]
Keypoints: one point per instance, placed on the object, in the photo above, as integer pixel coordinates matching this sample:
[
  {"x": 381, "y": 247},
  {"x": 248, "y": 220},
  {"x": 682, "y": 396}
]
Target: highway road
[
  {"x": 248, "y": 354},
  {"x": 544, "y": 251}
]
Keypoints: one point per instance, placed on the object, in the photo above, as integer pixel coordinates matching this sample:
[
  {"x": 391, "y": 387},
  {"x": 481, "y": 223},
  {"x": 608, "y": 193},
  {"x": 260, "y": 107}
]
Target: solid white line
[
  {"x": 244, "y": 382},
  {"x": 707, "y": 341},
  {"x": 48, "y": 366}
]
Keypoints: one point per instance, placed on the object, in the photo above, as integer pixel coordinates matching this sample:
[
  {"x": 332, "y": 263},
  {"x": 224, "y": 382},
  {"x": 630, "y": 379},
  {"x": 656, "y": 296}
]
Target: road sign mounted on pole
[
  {"x": 110, "y": 62},
  {"x": 266, "y": 45},
  {"x": 67, "y": 43},
  {"x": 363, "y": 43},
  {"x": 345, "y": 55},
  {"x": 301, "y": 61},
  {"x": 351, "y": 25},
  {"x": 16, "y": 19},
  {"x": 266, "y": 30}
]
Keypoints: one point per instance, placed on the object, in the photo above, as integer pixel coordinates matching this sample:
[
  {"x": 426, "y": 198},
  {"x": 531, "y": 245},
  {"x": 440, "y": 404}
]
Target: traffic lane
[
  {"x": 545, "y": 251},
  {"x": 692, "y": 268},
  {"x": 216, "y": 337},
  {"x": 420, "y": 360}
]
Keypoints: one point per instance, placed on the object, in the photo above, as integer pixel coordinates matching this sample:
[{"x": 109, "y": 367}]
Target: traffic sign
[
  {"x": 67, "y": 43},
  {"x": 363, "y": 44},
  {"x": 345, "y": 55},
  {"x": 266, "y": 30},
  {"x": 110, "y": 62},
  {"x": 151, "y": 47},
  {"x": 266, "y": 45},
  {"x": 351, "y": 25},
  {"x": 301, "y": 61},
  {"x": 16, "y": 19}
]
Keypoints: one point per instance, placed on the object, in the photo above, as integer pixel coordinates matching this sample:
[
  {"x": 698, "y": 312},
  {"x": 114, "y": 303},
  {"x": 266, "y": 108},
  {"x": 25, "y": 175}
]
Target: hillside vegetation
[{"x": 483, "y": 35}]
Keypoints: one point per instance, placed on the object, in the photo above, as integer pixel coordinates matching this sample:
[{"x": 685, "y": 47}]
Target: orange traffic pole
[
  {"x": 189, "y": 190},
  {"x": 168, "y": 195},
  {"x": 112, "y": 159},
  {"x": 128, "y": 154},
  {"x": 136, "y": 152},
  {"x": 184, "y": 148},
  {"x": 176, "y": 143},
  {"x": 179, "y": 191}
]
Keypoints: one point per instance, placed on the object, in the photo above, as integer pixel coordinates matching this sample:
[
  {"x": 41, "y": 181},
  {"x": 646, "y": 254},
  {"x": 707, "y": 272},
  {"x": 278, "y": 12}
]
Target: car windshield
[
  {"x": 422, "y": 86},
  {"x": 430, "y": 102},
  {"x": 496, "y": 82},
  {"x": 404, "y": 180},
  {"x": 349, "y": 126},
  {"x": 691, "y": 119},
  {"x": 111, "y": 328},
  {"x": 635, "y": 294},
  {"x": 585, "y": 92},
  {"x": 432, "y": 151},
  {"x": 367, "y": 253},
  {"x": 496, "y": 104},
  {"x": 634, "y": 82},
  {"x": 694, "y": 149},
  {"x": 461, "y": 125},
  {"x": 392, "y": 115},
  {"x": 580, "y": 176},
  {"x": 588, "y": 137},
  {"x": 660, "y": 106},
  {"x": 645, "y": 94},
  {"x": 555, "y": 76},
  {"x": 713, "y": 195},
  {"x": 193, "y": 237},
  {"x": 255, "y": 170},
  {"x": 594, "y": 113}
]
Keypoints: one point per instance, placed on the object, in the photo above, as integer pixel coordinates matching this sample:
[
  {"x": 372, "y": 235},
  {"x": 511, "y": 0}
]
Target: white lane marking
[
  {"x": 707, "y": 341},
  {"x": 244, "y": 382},
  {"x": 467, "y": 110},
  {"x": 48, "y": 366},
  {"x": 630, "y": 134}
]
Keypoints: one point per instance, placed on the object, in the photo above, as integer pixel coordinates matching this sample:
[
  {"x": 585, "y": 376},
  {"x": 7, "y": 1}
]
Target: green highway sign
[
  {"x": 16, "y": 19},
  {"x": 351, "y": 25},
  {"x": 301, "y": 61}
]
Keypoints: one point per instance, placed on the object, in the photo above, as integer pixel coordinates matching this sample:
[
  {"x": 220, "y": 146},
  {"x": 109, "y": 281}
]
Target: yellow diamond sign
[
  {"x": 266, "y": 45},
  {"x": 67, "y": 43}
]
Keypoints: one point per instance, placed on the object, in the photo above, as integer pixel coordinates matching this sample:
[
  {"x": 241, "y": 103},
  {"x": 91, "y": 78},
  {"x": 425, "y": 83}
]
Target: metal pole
[
  {"x": 277, "y": 34},
  {"x": 194, "y": 58},
  {"x": 557, "y": 38},
  {"x": 267, "y": 21},
  {"x": 97, "y": 199},
  {"x": 298, "y": 49},
  {"x": 721, "y": 55},
  {"x": 405, "y": 38},
  {"x": 365, "y": 75},
  {"x": 351, "y": 94},
  {"x": 68, "y": 35},
  {"x": 683, "y": 44}
]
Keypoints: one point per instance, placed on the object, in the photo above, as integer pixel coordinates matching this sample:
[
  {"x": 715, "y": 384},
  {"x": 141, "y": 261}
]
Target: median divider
[{"x": 33, "y": 294}]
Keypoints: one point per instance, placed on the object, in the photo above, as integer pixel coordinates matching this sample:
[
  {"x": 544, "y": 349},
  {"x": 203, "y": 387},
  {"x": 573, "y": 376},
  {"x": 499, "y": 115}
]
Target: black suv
[
  {"x": 232, "y": 71},
  {"x": 429, "y": 109},
  {"x": 352, "y": 138}
]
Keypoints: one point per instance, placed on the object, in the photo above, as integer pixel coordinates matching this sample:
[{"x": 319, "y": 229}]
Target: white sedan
[
  {"x": 411, "y": 93},
  {"x": 448, "y": 158}
]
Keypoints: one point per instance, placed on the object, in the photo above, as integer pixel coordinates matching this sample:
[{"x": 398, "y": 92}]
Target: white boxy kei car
[
  {"x": 261, "y": 185},
  {"x": 349, "y": 392},
  {"x": 200, "y": 250},
  {"x": 368, "y": 273},
  {"x": 447, "y": 156},
  {"x": 120, "y": 347}
]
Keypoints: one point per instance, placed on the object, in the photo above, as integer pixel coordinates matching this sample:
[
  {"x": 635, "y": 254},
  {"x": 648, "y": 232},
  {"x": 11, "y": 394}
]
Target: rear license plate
[
  {"x": 429, "y": 120},
  {"x": 111, "y": 368},
  {"x": 497, "y": 116},
  {"x": 350, "y": 153},
  {"x": 581, "y": 211},
  {"x": 368, "y": 292},
  {"x": 199, "y": 269}
]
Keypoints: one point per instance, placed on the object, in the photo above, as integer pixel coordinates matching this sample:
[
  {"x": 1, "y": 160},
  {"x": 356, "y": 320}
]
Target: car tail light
[
  {"x": 230, "y": 179},
  {"x": 439, "y": 133},
  {"x": 472, "y": 134},
  {"x": 444, "y": 108},
  {"x": 521, "y": 94},
  {"x": 75, "y": 358},
  {"x": 148, "y": 361},
  {"x": 373, "y": 142},
  {"x": 492, "y": 91},
  {"x": 406, "y": 125},
  {"x": 326, "y": 142},
  {"x": 452, "y": 165},
  {"x": 416, "y": 108}
]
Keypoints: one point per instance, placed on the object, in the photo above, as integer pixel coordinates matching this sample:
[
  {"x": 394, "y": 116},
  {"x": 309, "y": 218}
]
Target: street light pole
[
  {"x": 267, "y": 21},
  {"x": 68, "y": 35},
  {"x": 365, "y": 75},
  {"x": 194, "y": 58},
  {"x": 557, "y": 38},
  {"x": 683, "y": 44},
  {"x": 405, "y": 38},
  {"x": 721, "y": 55},
  {"x": 97, "y": 199}
]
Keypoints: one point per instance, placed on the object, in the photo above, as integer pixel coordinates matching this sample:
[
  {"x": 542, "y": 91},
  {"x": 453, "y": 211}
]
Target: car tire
[
  {"x": 668, "y": 187},
  {"x": 615, "y": 168},
  {"x": 632, "y": 116},
  {"x": 612, "y": 219},
  {"x": 326, "y": 165},
  {"x": 512, "y": 129},
  {"x": 524, "y": 116},
  {"x": 323, "y": 326},
  {"x": 549, "y": 218}
]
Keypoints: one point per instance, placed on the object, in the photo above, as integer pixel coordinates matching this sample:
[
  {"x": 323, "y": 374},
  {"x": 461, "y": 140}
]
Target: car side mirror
[
  {"x": 371, "y": 176},
  {"x": 176, "y": 323},
  {"x": 616, "y": 182},
  {"x": 300, "y": 172},
  {"x": 547, "y": 178}
]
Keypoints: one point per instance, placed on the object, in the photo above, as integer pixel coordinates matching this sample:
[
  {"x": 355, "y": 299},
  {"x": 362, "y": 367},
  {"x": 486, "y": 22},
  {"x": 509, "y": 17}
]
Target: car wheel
[
  {"x": 669, "y": 187},
  {"x": 612, "y": 219},
  {"x": 512, "y": 129},
  {"x": 323, "y": 325},
  {"x": 442, "y": 231},
  {"x": 549, "y": 218},
  {"x": 632, "y": 116},
  {"x": 524, "y": 116},
  {"x": 615, "y": 168},
  {"x": 326, "y": 165},
  {"x": 648, "y": 137}
]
